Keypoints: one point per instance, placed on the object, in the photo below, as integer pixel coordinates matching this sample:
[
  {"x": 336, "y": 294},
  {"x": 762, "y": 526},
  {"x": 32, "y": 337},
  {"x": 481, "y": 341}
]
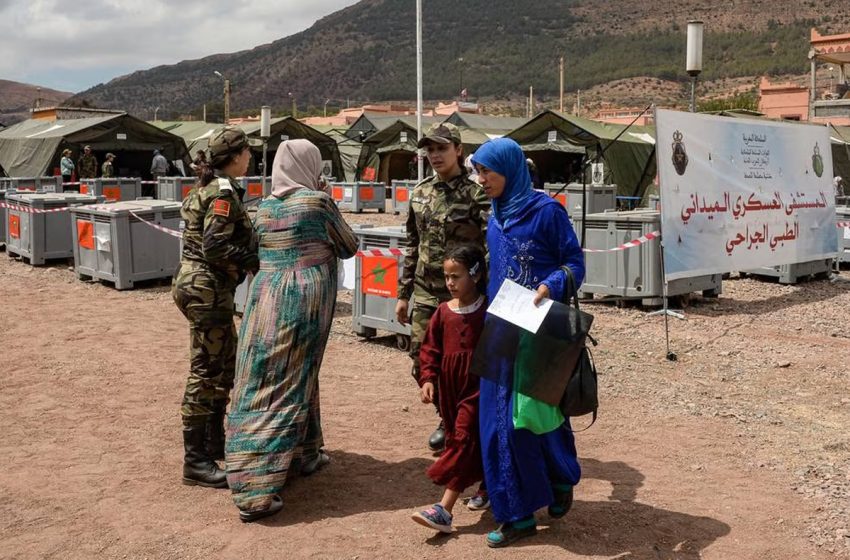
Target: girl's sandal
[{"x": 563, "y": 502}]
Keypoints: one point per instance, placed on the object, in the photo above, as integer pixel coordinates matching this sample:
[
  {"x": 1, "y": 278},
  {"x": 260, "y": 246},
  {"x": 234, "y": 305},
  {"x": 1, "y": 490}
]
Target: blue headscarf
[{"x": 505, "y": 157}]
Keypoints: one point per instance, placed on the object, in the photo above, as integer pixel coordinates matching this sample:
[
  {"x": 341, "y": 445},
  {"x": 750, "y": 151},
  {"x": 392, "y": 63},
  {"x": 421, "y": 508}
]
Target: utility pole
[
  {"x": 226, "y": 101},
  {"x": 420, "y": 167},
  {"x": 530, "y": 101},
  {"x": 561, "y": 68}
]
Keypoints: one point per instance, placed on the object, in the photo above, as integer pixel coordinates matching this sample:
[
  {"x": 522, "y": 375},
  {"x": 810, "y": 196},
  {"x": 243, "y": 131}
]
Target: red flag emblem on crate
[
  {"x": 379, "y": 276},
  {"x": 84, "y": 189},
  {"x": 336, "y": 193},
  {"x": 112, "y": 194},
  {"x": 186, "y": 189},
  {"x": 14, "y": 226},
  {"x": 401, "y": 194},
  {"x": 369, "y": 174},
  {"x": 85, "y": 234},
  {"x": 255, "y": 189},
  {"x": 367, "y": 193}
]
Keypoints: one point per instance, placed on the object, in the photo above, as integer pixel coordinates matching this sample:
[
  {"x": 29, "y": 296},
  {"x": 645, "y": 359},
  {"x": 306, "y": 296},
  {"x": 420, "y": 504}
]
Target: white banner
[{"x": 739, "y": 194}]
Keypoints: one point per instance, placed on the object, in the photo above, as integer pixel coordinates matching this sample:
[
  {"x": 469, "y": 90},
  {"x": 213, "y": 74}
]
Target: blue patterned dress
[
  {"x": 274, "y": 422},
  {"x": 519, "y": 465}
]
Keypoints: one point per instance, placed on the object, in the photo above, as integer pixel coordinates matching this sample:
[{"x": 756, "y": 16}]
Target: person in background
[
  {"x": 87, "y": 165},
  {"x": 530, "y": 240},
  {"x": 108, "y": 170},
  {"x": 66, "y": 168},
  {"x": 219, "y": 250},
  {"x": 274, "y": 427},
  {"x": 159, "y": 165},
  {"x": 446, "y": 210}
]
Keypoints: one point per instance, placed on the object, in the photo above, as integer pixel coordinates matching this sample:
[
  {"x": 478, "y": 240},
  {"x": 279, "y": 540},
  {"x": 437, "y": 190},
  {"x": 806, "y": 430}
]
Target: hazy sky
[{"x": 74, "y": 44}]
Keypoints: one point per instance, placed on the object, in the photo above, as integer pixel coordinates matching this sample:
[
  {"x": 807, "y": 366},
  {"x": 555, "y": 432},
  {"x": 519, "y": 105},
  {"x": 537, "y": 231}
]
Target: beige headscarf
[{"x": 297, "y": 165}]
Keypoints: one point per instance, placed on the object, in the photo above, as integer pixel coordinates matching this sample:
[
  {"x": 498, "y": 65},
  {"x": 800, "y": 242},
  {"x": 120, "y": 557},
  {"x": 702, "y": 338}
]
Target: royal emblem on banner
[
  {"x": 817, "y": 161},
  {"x": 680, "y": 156}
]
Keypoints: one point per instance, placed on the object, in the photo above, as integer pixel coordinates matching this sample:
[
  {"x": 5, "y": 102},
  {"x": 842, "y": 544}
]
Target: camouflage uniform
[
  {"x": 442, "y": 215},
  {"x": 219, "y": 248},
  {"x": 87, "y": 166},
  {"x": 107, "y": 170}
]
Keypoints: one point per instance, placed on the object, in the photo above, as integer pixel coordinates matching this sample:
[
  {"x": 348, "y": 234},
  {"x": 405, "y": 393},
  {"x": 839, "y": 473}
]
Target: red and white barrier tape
[
  {"x": 169, "y": 231},
  {"x": 842, "y": 224},
  {"x": 28, "y": 210},
  {"x": 629, "y": 244},
  {"x": 381, "y": 253}
]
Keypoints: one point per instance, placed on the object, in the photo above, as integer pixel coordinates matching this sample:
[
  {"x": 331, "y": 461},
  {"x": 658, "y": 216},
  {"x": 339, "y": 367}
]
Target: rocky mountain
[
  {"x": 366, "y": 52},
  {"x": 16, "y": 99}
]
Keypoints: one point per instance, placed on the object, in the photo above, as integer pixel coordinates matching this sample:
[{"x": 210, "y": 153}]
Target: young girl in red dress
[{"x": 445, "y": 358}]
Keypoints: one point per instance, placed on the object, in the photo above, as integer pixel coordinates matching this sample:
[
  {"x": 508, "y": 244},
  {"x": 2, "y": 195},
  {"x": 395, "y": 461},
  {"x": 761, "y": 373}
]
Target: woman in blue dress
[{"x": 529, "y": 237}]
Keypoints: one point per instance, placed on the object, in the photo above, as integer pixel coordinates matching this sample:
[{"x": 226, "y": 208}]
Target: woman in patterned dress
[
  {"x": 274, "y": 423},
  {"x": 530, "y": 238}
]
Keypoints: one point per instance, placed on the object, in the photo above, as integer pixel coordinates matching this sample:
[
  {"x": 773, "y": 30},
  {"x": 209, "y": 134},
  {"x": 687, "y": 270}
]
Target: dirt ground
[{"x": 739, "y": 450}]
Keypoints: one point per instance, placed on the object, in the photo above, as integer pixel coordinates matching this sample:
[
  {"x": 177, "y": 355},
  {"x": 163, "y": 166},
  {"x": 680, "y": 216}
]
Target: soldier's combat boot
[
  {"x": 215, "y": 436},
  {"x": 198, "y": 468}
]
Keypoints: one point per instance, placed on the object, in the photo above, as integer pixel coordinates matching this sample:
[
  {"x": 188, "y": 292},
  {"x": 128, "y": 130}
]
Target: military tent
[
  {"x": 557, "y": 143},
  {"x": 34, "y": 147},
  {"x": 389, "y": 154},
  {"x": 349, "y": 150},
  {"x": 288, "y": 128}
]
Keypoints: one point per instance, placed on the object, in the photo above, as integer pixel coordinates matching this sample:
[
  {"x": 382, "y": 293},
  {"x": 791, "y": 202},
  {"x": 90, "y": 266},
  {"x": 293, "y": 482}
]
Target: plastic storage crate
[
  {"x": 842, "y": 214},
  {"x": 795, "y": 272},
  {"x": 401, "y": 191},
  {"x": 35, "y": 184},
  {"x": 255, "y": 190},
  {"x": 113, "y": 190},
  {"x": 111, "y": 244},
  {"x": 174, "y": 188},
  {"x": 376, "y": 284},
  {"x": 634, "y": 273},
  {"x": 599, "y": 197},
  {"x": 2, "y": 217},
  {"x": 41, "y": 236},
  {"x": 356, "y": 197}
]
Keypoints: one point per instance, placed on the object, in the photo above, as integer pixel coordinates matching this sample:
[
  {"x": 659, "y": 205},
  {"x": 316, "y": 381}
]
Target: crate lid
[
  {"x": 383, "y": 231},
  {"x": 124, "y": 207},
  {"x": 49, "y": 198}
]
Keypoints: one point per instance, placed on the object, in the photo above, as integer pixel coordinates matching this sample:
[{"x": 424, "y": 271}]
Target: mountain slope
[
  {"x": 16, "y": 99},
  {"x": 367, "y": 51}
]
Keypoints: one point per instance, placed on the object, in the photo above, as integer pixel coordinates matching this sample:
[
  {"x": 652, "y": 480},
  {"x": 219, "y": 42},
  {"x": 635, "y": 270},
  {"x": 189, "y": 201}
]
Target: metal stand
[{"x": 666, "y": 311}]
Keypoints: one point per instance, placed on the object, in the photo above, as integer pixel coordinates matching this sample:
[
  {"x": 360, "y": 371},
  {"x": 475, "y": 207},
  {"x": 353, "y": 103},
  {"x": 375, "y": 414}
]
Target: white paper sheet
[
  {"x": 515, "y": 304},
  {"x": 347, "y": 274}
]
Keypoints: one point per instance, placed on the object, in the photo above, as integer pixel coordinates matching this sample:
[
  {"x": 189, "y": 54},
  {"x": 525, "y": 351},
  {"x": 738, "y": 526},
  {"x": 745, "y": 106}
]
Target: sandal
[
  {"x": 508, "y": 533},
  {"x": 563, "y": 501},
  {"x": 251, "y": 516},
  {"x": 321, "y": 460}
]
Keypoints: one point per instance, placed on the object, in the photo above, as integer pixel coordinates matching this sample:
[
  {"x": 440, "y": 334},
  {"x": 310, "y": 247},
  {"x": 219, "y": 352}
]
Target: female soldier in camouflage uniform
[
  {"x": 446, "y": 210},
  {"x": 219, "y": 249}
]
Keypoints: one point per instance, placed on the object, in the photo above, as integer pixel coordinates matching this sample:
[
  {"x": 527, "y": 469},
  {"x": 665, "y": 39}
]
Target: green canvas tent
[
  {"x": 349, "y": 150},
  {"x": 840, "y": 136},
  {"x": 557, "y": 142},
  {"x": 370, "y": 123},
  {"x": 288, "y": 128},
  {"x": 388, "y": 154},
  {"x": 34, "y": 147},
  {"x": 197, "y": 134}
]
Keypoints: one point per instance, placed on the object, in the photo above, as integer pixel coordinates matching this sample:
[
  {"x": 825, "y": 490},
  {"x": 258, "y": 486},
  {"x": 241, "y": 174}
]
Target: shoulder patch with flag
[{"x": 221, "y": 208}]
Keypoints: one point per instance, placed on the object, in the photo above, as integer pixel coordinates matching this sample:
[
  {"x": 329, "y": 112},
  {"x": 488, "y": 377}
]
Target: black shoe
[
  {"x": 198, "y": 467},
  {"x": 437, "y": 441},
  {"x": 562, "y": 504},
  {"x": 251, "y": 516},
  {"x": 215, "y": 436}
]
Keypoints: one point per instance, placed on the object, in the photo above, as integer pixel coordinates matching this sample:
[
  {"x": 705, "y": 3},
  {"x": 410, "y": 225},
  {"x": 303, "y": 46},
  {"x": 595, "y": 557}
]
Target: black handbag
[{"x": 581, "y": 395}]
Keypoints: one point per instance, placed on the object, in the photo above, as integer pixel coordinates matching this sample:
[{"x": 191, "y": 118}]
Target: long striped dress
[{"x": 274, "y": 422}]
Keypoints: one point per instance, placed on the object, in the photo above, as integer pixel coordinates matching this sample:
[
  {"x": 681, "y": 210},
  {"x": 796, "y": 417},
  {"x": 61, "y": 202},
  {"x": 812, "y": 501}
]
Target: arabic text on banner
[{"x": 738, "y": 194}]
